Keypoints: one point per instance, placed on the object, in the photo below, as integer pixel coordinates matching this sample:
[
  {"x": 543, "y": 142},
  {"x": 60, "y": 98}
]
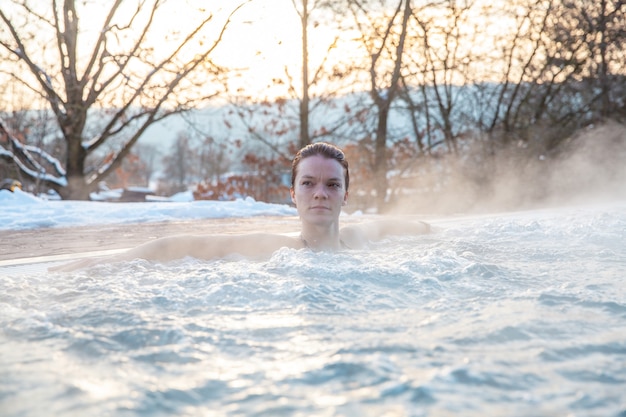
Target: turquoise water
[{"x": 520, "y": 314}]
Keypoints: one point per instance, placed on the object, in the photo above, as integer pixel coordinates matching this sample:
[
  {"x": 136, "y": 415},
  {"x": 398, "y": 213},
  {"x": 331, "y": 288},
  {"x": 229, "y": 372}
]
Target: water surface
[{"x": 510, "y": 315}]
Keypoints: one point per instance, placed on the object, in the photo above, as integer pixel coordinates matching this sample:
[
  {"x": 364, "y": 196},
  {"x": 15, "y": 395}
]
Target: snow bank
[{"x": 21, "y": 210}]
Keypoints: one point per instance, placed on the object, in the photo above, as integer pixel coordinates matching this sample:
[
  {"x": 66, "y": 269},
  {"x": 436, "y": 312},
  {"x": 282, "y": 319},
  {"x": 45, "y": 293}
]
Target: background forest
[{"x": 440, "y": 105}]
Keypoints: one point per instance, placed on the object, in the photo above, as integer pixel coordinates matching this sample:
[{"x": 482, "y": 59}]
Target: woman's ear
[
  {"x": 293, "y": 195},
  {"x": 345, "y": 199}
]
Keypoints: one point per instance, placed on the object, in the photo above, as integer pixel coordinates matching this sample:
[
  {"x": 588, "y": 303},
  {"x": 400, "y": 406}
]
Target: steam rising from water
[{"x": 588, "y": 167}]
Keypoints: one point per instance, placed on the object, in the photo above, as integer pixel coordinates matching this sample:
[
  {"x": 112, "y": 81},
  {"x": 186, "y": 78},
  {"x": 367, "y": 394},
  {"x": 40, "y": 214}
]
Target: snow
[{"x": 21, "y": 210}]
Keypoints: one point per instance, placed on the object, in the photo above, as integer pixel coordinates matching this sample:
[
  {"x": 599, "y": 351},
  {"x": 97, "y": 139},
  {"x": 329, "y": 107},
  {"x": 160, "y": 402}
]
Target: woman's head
[{"x": 324, "y": 149}]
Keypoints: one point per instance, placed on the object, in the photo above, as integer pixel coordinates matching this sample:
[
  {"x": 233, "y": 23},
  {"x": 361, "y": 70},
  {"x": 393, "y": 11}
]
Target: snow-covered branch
[{"x": 23, "y": 158}]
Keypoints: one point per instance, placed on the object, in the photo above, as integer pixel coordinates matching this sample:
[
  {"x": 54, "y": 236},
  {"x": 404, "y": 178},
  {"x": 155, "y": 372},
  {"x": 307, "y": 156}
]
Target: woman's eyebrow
[{"x": 304, "y": 176}]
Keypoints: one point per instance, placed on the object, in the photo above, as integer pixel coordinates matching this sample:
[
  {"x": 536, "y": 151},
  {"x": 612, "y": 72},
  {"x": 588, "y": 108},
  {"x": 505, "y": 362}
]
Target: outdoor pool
[{"x": 520, "y": 314}]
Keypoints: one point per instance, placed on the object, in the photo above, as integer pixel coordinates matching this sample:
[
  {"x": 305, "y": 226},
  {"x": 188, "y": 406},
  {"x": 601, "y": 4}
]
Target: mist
[{"x": 589, "y": 167}]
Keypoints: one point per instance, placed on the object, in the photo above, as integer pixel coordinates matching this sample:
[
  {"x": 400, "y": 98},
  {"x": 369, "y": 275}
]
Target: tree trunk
[
  {"x": 76, "y": 188},
  {"x": 304, "y": 102},
  {"x": 75, "y": 83},
  {"x": 380, "y": 159}
]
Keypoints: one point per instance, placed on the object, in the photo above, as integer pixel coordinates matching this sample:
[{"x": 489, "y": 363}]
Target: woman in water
[{"x": 319, "y": 189}]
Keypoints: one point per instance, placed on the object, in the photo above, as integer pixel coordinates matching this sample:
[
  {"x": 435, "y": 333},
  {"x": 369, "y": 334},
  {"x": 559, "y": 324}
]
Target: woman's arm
[
  {"x": 253, "y": 246},
  {"x": 257, "y": 245},
  {"x": 381, "y": 229}
]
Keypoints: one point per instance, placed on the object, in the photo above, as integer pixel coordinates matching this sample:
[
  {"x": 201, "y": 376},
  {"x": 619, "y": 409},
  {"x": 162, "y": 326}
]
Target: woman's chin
[{"x": 320, "y": 218}]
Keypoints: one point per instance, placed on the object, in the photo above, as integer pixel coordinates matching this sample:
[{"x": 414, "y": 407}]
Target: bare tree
[
  {"x": 304, "y": 99},
  {"x": 308, "y": 109},
  {"x": 149, "y": 155},
  {"x": 598, "y": 30},
  {"x": 383, "y": 36},
  {"x": 520, "y": 49},
  {"x": 179, "y": 164},
  {"x": 212, "y": 159},
  {"x": 110, "y": 87},
  {"x": 559, "y": 68}
]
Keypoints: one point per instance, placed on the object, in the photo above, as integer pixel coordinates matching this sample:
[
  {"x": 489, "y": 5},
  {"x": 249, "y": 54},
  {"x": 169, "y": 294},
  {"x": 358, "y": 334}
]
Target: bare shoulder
[
  {"x": 357, "y": 235},
  {"x": 354, "y": 237}
]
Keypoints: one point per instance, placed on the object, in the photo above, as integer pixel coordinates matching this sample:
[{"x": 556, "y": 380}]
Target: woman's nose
[{"x": 320, "y": 192}]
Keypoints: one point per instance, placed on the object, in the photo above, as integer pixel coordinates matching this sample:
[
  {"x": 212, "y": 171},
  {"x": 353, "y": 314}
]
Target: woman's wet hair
[{"x": 324, "y": 149}]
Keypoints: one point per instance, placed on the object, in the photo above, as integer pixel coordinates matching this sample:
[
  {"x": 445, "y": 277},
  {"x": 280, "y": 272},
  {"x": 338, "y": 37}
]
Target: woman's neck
[{"x": 320, "y": 238}]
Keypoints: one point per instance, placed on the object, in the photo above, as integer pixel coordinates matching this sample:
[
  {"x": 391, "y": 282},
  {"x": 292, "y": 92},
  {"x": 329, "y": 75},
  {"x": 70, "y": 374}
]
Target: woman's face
[{"x": 319, "y": 190}]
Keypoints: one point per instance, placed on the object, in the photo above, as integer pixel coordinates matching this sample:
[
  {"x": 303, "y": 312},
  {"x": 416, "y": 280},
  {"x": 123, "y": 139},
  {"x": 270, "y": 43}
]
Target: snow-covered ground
[{"x": 21, "y": 210}]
